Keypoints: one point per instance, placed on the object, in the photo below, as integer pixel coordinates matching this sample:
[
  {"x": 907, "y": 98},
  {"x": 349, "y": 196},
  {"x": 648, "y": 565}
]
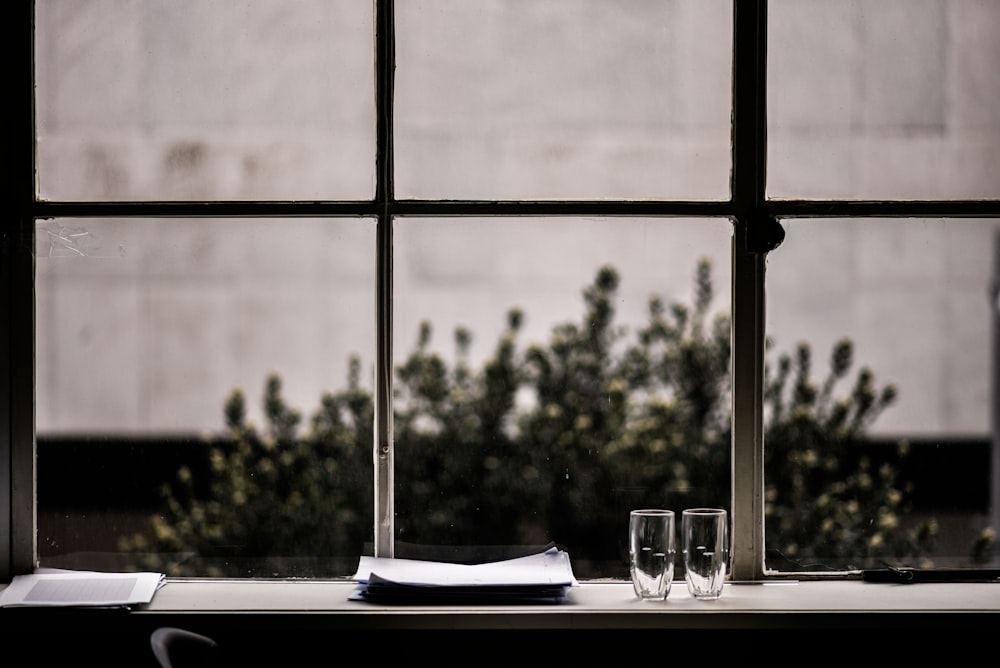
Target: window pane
[
  {"x": 883, "y": 99},
  {"x": 901, "y": 316},
  {"x": 563, "y": 99},
  {"x": 188, "y": 100},
  {"x": 542, "y": 394},
  {"x": 214, "y": 355}
]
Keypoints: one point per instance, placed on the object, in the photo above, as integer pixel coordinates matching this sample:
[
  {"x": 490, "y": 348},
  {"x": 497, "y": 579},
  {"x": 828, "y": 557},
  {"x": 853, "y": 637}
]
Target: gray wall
[{"x": 146, "y": 325}]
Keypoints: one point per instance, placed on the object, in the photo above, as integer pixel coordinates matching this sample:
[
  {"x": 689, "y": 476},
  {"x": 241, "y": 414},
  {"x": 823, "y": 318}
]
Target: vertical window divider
[
  {"x": 17, "y": 352},
  {"x": 754, "y": 235},
  {"x": 384, "y": 196}
]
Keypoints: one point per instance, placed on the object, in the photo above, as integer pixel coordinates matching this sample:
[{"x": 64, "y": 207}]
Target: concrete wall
[{"x": 147, "y": 325}]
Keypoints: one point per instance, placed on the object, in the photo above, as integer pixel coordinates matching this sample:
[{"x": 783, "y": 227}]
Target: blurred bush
[{"x": 550, "y": 442}]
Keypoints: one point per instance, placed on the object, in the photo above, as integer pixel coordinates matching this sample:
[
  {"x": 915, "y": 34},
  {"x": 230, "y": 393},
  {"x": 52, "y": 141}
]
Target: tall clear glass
[
  {"x": 651, "y": 552},
  {"x": 706, "y": 551}
]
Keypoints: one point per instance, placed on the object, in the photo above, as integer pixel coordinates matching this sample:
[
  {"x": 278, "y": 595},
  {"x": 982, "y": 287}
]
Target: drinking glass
[
  {"x": 705, "y": 545},
  {"x": 651, "y": 552}
]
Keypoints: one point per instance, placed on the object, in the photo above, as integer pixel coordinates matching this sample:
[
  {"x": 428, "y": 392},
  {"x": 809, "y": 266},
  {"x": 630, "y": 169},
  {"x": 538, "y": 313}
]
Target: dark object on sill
[{"x": 914, "y": 575}]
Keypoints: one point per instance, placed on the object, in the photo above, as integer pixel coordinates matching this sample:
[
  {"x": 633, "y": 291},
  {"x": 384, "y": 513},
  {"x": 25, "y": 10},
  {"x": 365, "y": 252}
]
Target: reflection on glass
[
  {"x": 542, "y": 99},
  {"x": 189, "y": 100},
  {"x": 551, "y": 376},
  {"x": 878, "y": 405},
  {"x": 873, "y": 99},
  {"x": 216, "y": 356}
]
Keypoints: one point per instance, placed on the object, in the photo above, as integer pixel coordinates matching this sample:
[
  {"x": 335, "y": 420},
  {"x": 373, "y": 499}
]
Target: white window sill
[
  {"x": 596, "y": 605},
  {"x": 270, "y": 618},
  {"x": 590, "y": 605}
]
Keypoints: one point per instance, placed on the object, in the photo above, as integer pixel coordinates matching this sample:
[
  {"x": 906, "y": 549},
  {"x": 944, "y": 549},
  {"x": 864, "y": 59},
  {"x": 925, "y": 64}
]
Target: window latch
[{"x": 765, "y": 234}]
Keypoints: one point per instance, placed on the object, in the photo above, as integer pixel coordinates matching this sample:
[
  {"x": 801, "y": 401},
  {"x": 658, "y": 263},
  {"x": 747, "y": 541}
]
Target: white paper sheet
[
  {"x": 81, "y": 588},
  {"x": 551, "y": 567}
]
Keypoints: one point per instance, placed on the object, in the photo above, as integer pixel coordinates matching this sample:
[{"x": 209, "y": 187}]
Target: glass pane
[
  {"x": 189, "y": 100},
  {"x": 216, "y": 357},
  {"x": 541, "y": 395},
  {"x": 883, "y": 99},
  {"x": 881, "y": 404},
  {"x": 563, "y": 99}
]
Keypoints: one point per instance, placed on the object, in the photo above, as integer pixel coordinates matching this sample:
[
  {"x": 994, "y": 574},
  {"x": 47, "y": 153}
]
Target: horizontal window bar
[
  {"x": 842, "y": 208},
  {"x": 779, "y": 208}
]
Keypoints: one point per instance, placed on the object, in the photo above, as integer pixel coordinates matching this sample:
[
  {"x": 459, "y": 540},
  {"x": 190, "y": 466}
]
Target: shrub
[{"x": 613, "y": 420}]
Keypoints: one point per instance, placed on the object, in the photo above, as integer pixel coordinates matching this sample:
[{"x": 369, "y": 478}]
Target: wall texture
[{"x": 145, "y": 326}]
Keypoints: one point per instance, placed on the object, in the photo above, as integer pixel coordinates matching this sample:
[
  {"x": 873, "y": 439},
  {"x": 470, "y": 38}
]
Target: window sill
[
  {"x": 262, "y": 616},
  {"x": 592, "y": 605}
]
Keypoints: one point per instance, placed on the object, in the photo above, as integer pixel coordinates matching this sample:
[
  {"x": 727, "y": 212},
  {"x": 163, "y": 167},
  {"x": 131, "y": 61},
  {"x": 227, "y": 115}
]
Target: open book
[{"x": 62, "y": 588}]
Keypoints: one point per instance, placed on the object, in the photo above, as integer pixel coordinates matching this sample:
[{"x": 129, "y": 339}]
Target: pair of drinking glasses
[{"x": 704, "y": 545}]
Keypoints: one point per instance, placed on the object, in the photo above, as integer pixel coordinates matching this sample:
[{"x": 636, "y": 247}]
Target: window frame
[{"x": 756, "y": 224}]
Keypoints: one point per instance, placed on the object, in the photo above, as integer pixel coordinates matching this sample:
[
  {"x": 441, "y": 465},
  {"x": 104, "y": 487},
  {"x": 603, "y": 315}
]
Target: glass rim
[
  {"x": 651, "y": 511},
  {"x": 704, "y": 511}
]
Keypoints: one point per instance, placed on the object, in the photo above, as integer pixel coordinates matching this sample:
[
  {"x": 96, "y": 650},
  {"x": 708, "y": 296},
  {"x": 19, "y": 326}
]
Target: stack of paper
[
  {"x": 62, "y": 588},
  {"x": 545, "y": 577}
]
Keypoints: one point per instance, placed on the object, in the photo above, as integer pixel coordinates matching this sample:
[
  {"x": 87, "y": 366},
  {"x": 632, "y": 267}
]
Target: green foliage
[
  {"x": 271, "y": 492},
  {"x": 825, "y": 508},
  {"x": 549, "y": 442}
]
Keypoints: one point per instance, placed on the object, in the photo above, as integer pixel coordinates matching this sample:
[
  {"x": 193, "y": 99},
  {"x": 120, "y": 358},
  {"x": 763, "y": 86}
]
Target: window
[
  {"x": 448, "y": 279},
  {"x": 883, "y": 112}
]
